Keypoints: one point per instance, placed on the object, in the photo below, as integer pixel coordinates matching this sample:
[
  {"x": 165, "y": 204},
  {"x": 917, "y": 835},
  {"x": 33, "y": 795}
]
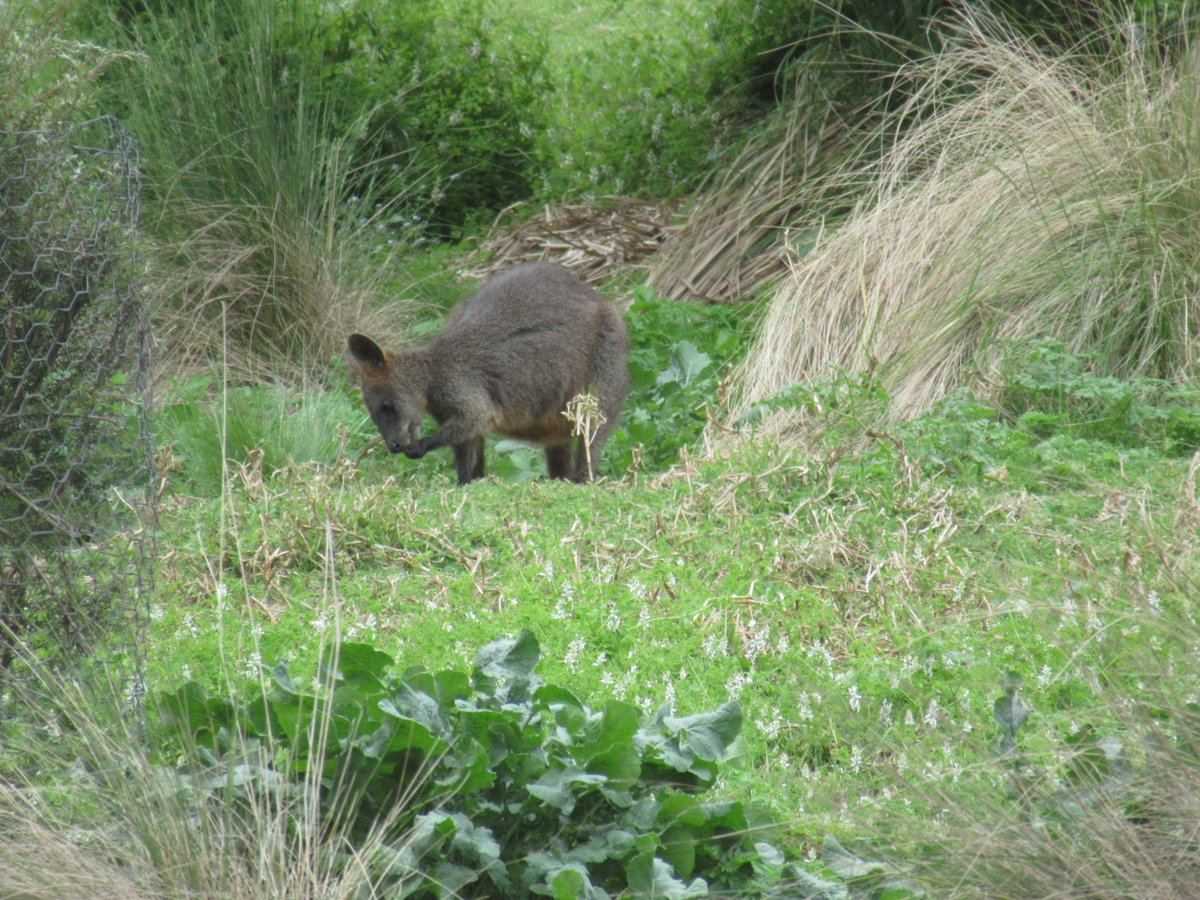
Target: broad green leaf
[
  {"x": 466, "y": 777},
  {"x": 413, "y": 703},
  {"x": 283, "y": 679},
  {"x": 408, "y": 733},
  {"x": 679, "y": 849},
  {"x": 557, "y": 787},
  {"x": 190, "y": 713},
  {"x": 450, "y": 878},
  {"x": 846, "y": 865},
  {"x": 686, "y": 362},
  {"x": 357, "y": 662},
  {"x": 619, "y": 723},
  {"x": 621, "y": 765},
  {"x": 475, "y": 841},
  {"x": 683, "y": 809},
  {"x": 508, "y": 658},
  {"x": 570, "y": 883}
]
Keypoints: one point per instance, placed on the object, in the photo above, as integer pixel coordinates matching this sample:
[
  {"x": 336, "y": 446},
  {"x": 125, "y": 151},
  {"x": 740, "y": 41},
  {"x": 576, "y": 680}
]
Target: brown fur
[{"x": 510, "y": 359}]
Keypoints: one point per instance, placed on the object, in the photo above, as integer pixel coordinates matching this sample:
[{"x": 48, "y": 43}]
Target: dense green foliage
[
  {"x": 492, "y": 784},
  {"x": 844, "y": 605},
  {"x": 441, "y": 92}
]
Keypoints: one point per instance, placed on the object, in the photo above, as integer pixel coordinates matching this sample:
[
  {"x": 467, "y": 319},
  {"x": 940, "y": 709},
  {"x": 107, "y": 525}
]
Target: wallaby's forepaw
[{"x": 416, "y": 450}]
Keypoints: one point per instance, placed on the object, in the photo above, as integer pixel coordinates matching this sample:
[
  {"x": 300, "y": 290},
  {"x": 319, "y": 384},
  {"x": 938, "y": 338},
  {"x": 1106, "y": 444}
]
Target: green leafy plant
[
  {"x": 1051, "y": 390},
  {"x": 492, "y": 783},
  {"x": 676, "y": 364}
]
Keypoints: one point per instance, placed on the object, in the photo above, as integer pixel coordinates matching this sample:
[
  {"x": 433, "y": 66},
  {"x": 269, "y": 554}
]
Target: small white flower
[
  {"x": 1044, "y": 677},
  {"x": 856, "y": 759},
  {"x": 715, "y": 645},
  {"x": 737, "y": 683},
  {"x": 574, "y": 652},
  {"x": 804, "y": 707},
  {"x": 931, "y": 714}
]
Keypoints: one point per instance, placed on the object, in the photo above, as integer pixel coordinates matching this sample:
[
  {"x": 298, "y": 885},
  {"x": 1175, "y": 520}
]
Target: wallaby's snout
[{"x": 510, "y": 359}]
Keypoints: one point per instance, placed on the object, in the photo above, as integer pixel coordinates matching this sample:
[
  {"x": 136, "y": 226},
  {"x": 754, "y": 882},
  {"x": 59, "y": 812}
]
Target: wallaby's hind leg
[
  {"x": 558, "y": 460},
  {"x": 468, "y": 460},
  {"x": 587, "y": 457}
]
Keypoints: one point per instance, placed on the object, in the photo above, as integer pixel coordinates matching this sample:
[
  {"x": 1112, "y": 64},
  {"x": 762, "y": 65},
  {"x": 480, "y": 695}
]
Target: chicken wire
[{"x": 76, "y": 473}]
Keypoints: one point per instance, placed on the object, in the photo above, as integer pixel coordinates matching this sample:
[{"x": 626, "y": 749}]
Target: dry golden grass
[
  {"x": 1036, "y": 195},
  {"x": 732, "y": 242},
  {"x": 260, "y": 296}
]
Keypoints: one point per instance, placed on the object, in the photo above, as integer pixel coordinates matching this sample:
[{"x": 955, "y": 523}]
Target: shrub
[
  {"x": 630, "y": 118},
  {"x": 439, "y": 88},
  {"x": 263, "y": 255},
  {"x": 677, "y": 362},
  {"x": 758, "y": 40}
]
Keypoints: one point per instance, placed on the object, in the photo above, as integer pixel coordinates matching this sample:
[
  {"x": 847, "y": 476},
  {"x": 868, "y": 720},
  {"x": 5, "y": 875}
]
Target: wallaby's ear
[{"x": 365, "y": 353}]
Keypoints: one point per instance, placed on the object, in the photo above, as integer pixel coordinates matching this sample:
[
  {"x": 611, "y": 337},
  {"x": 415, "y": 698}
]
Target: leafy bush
[
  {"x": 677, "y": 362},
  {"x": 757, "y": 41},
  {"x": 630, "y": 119},
  {"x": 1051, "y": 390},
  {"x": 437, "y": 87},
  {"x": 489, "y": 784}
]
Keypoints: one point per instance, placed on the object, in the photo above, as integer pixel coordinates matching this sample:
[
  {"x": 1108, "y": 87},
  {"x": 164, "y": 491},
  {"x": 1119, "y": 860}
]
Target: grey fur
[{"x": 512, "y": 355}]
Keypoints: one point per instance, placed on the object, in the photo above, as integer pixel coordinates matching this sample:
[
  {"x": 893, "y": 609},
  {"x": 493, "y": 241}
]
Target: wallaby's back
[{"x": 532, "y": 337}]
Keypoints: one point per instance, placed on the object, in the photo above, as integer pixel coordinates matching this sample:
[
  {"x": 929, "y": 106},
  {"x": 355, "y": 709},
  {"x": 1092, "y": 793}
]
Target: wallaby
[{"x": 510, "y": 359}]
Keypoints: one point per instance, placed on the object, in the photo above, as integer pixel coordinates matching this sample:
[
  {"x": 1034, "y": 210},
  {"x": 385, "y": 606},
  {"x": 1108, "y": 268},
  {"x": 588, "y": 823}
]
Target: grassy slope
[{"x": 863, "y": 602}]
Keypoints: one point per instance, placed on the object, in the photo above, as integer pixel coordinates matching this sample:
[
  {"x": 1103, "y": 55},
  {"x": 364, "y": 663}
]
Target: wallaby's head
[{"x": 395, "y": 406}]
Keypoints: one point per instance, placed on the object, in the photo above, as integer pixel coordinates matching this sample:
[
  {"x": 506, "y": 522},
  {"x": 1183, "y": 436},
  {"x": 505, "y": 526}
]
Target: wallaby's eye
[{"x": 387, "y": 407}]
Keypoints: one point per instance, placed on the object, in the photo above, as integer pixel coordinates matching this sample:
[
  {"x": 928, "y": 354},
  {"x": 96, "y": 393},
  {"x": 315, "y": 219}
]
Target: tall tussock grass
[
  {"x": 1023, "y": 193},
  {"x": 92, "y": 809},
  {"x": 730, "y": 243},
  {"x": 263, "y": 254}
]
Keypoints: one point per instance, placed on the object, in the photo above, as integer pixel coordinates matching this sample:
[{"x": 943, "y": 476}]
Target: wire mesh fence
[{"x": 76, "y": 483}]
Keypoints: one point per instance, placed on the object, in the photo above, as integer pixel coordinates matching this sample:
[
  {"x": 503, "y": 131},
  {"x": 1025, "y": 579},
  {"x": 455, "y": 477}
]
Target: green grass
[{"x": 863, "y": 601}]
